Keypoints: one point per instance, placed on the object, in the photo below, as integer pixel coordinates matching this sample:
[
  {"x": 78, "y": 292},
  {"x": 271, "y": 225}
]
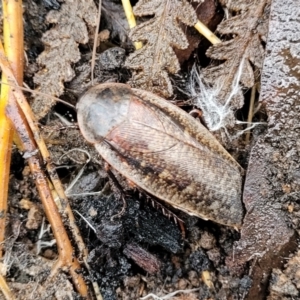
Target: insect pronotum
[{"x": 163, "y": 150}]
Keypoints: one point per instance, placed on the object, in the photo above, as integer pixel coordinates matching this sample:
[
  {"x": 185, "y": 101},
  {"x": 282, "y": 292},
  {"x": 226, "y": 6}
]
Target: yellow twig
[
  {"x": 6, "y": 136},
  {"x": 64, "y": 245},
  {"x": 66, "y": 256},
  {"x": 44, "y": 152},
  {"x": 11, "y": 61},
  {"x": 207, "y": 279},
  {"x": 202, "y": 29},
  {"x": 13, "y": 41},
  {"x": 5, "y": 289},
  {"x": 131, "y": 19}
]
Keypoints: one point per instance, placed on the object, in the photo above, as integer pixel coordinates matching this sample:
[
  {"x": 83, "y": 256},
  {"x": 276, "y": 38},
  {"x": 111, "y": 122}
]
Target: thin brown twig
[
  {"x": 44, "y": 152},
  {"x": 96, "y": 41},
  {"x": 13, "y": 40},
  {"x": 5, "y": 289},
  {"x": 63, "y": 242},
  {"x": 26, "y": 89},
  {"x": 65, "y": 250}
]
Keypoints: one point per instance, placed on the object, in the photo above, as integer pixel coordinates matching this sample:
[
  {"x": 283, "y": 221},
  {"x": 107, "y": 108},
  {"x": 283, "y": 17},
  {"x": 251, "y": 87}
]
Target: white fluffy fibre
[
  {"x": 217, "y": 115},
  {"x": 168, "y": 296},
  {"x": 40, "y": 244}
]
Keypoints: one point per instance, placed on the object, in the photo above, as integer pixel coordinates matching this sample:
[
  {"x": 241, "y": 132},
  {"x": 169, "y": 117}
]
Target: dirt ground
[{"x": 150, "y": 249}]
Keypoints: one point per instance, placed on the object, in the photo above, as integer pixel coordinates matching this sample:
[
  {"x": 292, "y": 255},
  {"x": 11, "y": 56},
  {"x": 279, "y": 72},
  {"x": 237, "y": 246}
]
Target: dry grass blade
[
  {"x": 250, "y": 112},
  {"x": 13, "y": 39},
  {"x": 95, "y": 41},
  {"x": 202, "y": 29},
  {"x": 45, "y": 154},
  {"x": 27, "y": 140},
  {"x": 131, "y": 19},
  {"x": 5, "y": 289},
  {"x": 65, "y": 249}
]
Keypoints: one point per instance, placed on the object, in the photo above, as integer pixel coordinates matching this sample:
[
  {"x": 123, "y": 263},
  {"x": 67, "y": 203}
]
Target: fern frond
[{"x": 160, "y": 35}]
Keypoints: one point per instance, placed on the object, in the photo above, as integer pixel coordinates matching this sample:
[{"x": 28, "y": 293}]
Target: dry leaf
[
  {"x": 208, "y": 13},
  {"x": 237, "y": 5},
  {"x": 61, "y": 50},
  {"x": 245, "y": 47},
  {"x": 116, "y": 21},
  {"x": 152, "y": 63},
  {"x": 242, "y": 57}
]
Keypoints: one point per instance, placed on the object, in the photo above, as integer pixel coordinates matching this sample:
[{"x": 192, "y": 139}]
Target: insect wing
[{"x": 161, "y": 153}]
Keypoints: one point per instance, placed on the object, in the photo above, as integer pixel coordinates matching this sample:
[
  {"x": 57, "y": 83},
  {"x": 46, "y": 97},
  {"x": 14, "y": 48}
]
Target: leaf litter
[
  {"x": 219, "y": 89},
  {"x": 152, "y": 63},
  {"x": 236, "y": 64},
  {"x": 61, "y": 50}
]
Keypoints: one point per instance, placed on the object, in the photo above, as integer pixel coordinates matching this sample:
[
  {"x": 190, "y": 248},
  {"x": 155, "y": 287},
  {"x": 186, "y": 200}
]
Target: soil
[{"x": 152, "y": 248}]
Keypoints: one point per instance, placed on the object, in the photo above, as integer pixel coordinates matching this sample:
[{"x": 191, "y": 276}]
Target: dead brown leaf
[
  {"x": 61, "y": 50},
  {"x": 237, "y": 61},
  {"x": 116, "y": 21},
  {"x": 160, "y": 35}
]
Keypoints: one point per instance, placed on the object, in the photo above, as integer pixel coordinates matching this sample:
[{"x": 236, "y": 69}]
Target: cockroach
[{"x": 163, "y": 150}]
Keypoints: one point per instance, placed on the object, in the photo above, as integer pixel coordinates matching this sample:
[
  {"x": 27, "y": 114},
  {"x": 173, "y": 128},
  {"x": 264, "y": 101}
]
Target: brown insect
[{"x": 163, "y": 150}]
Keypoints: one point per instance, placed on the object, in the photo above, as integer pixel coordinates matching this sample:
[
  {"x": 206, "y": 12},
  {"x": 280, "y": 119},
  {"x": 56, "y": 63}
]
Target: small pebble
[
  {"x": 214, "y": 255},
  {"x": 133, "y": 281},
  {"x": 207, "y": 241},
  {"x": 34, "y": 218},
  {"x": 92, "y": 212},
  {"x": 182, "y": 284}
]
